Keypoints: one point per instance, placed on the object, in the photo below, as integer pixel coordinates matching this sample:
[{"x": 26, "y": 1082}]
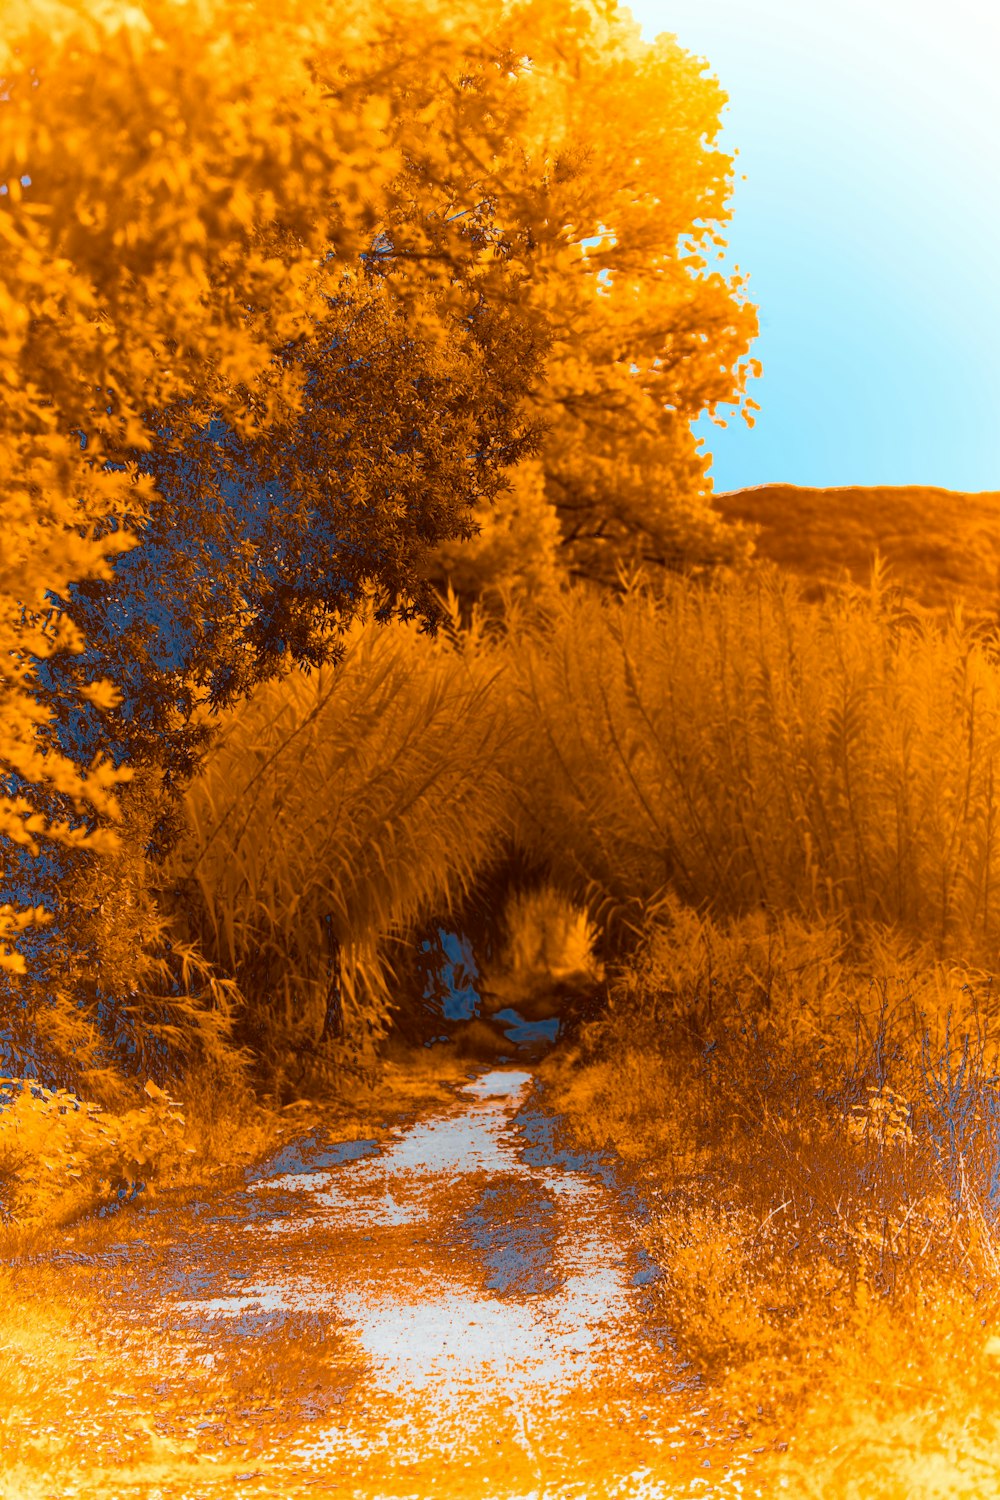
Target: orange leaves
[
  {"x": 193, "y": 164},
  {"x": 102, "y": 694},
  {"x": 159, "y": 141},
  {"x": 619, "y": 452}
]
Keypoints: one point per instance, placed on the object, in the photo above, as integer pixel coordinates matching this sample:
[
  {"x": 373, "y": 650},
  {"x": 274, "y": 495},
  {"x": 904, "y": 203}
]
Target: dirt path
[{"x": 461, "y": 1312}]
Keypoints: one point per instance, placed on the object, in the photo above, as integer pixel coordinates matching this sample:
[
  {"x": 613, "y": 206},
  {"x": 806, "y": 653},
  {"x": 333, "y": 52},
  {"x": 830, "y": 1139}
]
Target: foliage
[
  {"x": 168, "y": 260},
  {"x": 823, "y": 1227},
  {"x": 230, "y": 281},
  {"x": 191, "y": 319},
  {"x": 645, "y": 334},
  {"x": 256, "y": 544},
  {"x": 60, "y": 1155},
  {"x": 515, "y": 552},
  {"x": 121, "y": 994},
  {"x": 653, "y": 747},
  {"x": 335, "y": 812},
  {"x": 731, "y": 743}
]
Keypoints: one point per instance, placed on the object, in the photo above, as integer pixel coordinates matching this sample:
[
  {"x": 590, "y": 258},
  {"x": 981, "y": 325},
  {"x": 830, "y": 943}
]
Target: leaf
[{"x": 103, "y": 695}]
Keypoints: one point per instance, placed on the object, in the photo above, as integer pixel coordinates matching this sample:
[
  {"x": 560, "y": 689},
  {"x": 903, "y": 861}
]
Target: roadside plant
[
  {"x": 334, "y": 814},
  {"x": 61, "y": 1156}
]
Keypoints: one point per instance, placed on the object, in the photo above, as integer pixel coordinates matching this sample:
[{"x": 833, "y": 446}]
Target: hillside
[{"x": 941, "y": 545}]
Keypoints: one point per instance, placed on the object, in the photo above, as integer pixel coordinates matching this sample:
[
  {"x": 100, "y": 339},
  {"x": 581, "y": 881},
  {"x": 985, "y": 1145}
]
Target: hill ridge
[{"x": 941, "y": 545}]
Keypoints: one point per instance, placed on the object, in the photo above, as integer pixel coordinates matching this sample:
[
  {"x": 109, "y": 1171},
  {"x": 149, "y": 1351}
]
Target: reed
[
  {"x": 738, "y": 746},
  {"x": 334, "y": 811}
]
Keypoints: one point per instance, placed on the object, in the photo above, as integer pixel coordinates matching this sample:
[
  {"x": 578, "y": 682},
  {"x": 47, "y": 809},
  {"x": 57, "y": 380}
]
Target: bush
[
  {"x": 334, "y": 814},
  {"x": 815, "y": 1139},
  {"x": 118, "y": 995},
  {"x": 60, "y": 1156}
]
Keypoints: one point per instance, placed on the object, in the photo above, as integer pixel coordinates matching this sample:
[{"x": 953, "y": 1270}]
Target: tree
[
  {"x": 617, "y": 144},
  {"x": 517, "y": 547},
  {"x": 255, "y": 545},
  {"x": 252, "y": 194},
  {"x": 174, "y": 241}
]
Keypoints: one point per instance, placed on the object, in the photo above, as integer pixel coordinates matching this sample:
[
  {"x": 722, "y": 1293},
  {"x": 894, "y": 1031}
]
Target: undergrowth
[
  {"x": 812, "y": 1087},
  {"x": 64, "y": 1158},
  {"x": 820, "y": 1156},
  {"x": 333, "y": 815}
]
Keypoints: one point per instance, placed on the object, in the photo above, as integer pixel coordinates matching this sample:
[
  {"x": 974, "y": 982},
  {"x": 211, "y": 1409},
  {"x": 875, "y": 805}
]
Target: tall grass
[
  {"x": 733, "y": 744},
  {"x": 793, "y": 806},
  {"x": 818, "y": 1145},
  {"x": 333, "y": 813},
  {"x": 727, "y": 743}
]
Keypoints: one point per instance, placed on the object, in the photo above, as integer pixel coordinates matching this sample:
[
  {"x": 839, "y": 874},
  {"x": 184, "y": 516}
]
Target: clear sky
[{"x": 869, "y": 135}]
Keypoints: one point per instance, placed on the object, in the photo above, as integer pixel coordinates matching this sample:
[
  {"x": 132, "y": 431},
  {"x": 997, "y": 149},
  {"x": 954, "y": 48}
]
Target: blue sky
[{"x": 869, "y": 135}]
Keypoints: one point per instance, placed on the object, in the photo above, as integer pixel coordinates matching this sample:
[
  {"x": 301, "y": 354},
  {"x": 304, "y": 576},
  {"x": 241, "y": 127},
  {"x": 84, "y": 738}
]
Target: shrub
[
  {"x": 334, "y": 814},
  {"x": 119, "y": 994},
  {"x": 60, "y": 1156}
]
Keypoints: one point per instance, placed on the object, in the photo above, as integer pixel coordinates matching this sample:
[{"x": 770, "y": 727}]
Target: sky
[{"x": 868, "y": 132}]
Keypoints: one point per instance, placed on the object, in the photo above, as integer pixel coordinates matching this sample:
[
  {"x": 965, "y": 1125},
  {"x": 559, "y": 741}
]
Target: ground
[{"x": 456, "y": 1305}]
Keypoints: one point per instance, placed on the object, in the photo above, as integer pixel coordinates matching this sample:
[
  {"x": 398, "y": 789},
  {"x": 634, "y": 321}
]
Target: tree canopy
[
  {"x": 618, "y": 145},
  {"x": 283, "y": 298},
  {"x": 171, "y": 238}
]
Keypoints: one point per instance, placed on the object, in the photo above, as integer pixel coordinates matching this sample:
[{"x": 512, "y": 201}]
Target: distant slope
[{"x": 941, "y": 545}]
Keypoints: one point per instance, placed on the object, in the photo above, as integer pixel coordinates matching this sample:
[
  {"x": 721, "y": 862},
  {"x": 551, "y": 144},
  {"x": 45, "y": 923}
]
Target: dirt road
[{"x": 461, "y": 1311}]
